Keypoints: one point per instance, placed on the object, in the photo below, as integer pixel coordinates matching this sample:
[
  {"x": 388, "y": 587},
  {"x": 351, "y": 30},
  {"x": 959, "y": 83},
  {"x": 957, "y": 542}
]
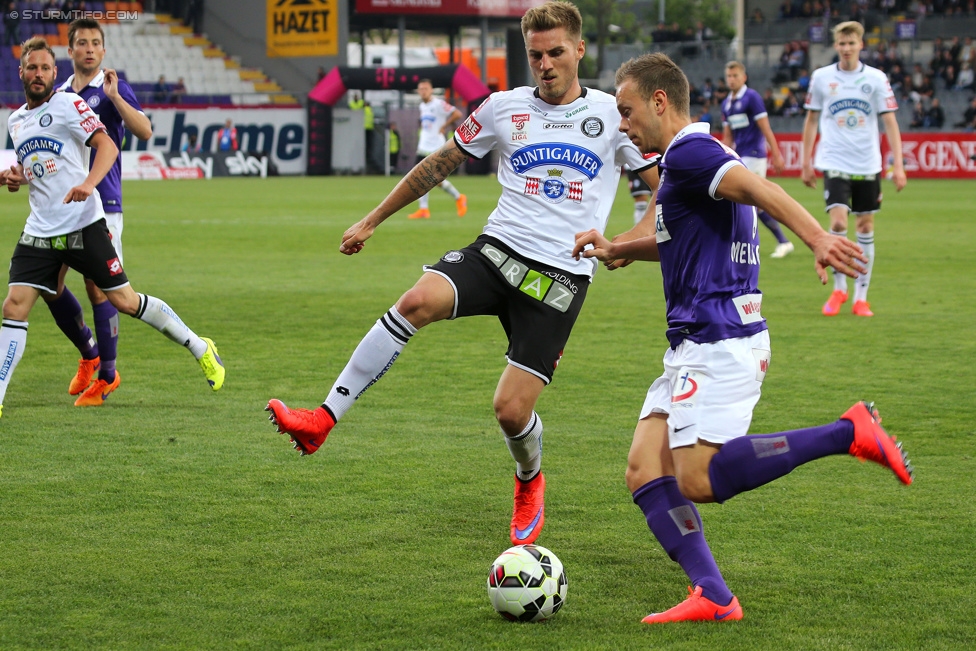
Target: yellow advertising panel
[{"x": 303, "y": 28}]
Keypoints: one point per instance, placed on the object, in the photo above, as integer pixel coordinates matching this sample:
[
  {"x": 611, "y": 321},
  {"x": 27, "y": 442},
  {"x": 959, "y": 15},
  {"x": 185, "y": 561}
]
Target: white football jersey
[
  {"x": 433, "y": 115},
  {"x": 50, "y": 144},
  {"x": 559, "y": 168},
  {"x": 850, "y": 104}
]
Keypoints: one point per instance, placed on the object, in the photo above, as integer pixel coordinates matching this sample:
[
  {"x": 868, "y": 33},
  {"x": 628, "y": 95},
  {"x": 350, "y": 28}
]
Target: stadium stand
[{"x": 142, "y": 47}]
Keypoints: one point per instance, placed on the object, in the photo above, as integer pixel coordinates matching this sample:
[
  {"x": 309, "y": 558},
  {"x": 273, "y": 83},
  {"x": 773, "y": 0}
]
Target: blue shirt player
[
  {"x": 690, "y": 444},
  {"x": 118, "y": 109},
  {"x": 745, "y": 128}
]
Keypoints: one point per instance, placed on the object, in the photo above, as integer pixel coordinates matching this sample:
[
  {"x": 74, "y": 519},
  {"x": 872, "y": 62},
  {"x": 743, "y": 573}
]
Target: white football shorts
[
  {"x": 756, "y": 165},
  {"x": 709, "y": 390},
  {"x": 114, "y": 222}
]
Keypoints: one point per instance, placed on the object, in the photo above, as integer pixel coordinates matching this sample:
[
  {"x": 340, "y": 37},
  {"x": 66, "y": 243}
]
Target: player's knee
[
  {"x": 15, "y": 309},
  {"x": 512, "y": 416},
  {"x": 420, "y": 307},
  {"x": 697, "y": 487},
  {"x": 125, "y": 302}
]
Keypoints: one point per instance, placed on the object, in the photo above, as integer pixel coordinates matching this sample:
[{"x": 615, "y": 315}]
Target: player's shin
[
  {"x": 69, "y": 317},
  {"x": 840, "y": 280},
  {"x": 371, "y": 360},
  {"x": 526, "y": 449},
  {"x": 866, "y": 240},
  {"x": 106, "y": 319},
  {"x": 161, "y": 316},
  {"x": 675, "y": 522},
  {"x": 13, "y": 339},
  {"x": 748, "y": 462}
]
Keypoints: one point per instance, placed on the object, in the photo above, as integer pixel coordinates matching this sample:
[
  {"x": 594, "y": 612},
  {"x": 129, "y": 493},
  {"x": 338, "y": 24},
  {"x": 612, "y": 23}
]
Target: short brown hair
[
  {"x": 849, "y": 28},
  {"x": 33, "y": 45},
  {"x": 552, "y": 15},
  {"x": 83, "y": 23},
  {"x": 736, "y": 66},
  {"x": 652, "y": 72}
]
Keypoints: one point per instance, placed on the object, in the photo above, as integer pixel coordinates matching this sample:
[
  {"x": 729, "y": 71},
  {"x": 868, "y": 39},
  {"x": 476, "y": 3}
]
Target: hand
[
  {"x": 13, "y": 178},
  {"x": 899, "y": 179},
  {"x": 603, "y": 249},
  {"x": 354, "y": 239},
  {"x": 809, "y": 177},
  {"x": 111, "y": 84},
  {"x": 840, "y": 253},
  {"x": 778, "y": 163},
  {"x": 616, "y": 264},
  {"x": 79, "y": 193}
]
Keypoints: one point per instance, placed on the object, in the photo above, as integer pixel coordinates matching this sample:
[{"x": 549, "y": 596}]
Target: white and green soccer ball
[{"x": 527, "y": 584}]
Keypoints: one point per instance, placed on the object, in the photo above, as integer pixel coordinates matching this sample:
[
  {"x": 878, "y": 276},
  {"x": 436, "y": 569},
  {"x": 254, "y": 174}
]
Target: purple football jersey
[
  {"x": 110, "y": 188},
  {"x": 709, "y": 247},
  {"x": 740, "y": 111}
]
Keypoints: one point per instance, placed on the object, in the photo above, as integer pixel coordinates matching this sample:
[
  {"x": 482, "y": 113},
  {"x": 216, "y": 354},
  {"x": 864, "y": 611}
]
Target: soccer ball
[{"x": 527, "y": 584}]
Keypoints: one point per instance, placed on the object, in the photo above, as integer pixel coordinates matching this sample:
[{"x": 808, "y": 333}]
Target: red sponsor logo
[
  {"x": 763, "y": 365},
  {"x": 114, "y": 267},
  {"x": 891, "y": 103},
  {"x": 468, "y": 130},
  {"x": 779, "y": 445},
  {"x": 81, "y": 107},
  {"x": 91, "y": 124},
  {"x": 177, "y": 173},
  {"x": 519, "y": 120},
  {"x": 687, "y": 394},
  {"x": 481, "y": 106},
  {"x": 752, "y": 307}
]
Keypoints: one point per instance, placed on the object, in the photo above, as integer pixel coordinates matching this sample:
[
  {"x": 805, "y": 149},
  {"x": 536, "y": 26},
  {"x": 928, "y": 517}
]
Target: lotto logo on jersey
[
  {"x": 468, "y": 130},
  {"x": 91, "y": 124},
  {"x": 114, "y": 267},
  {"x": 81, "y": 106},
  {"x": 520, "y": 127}
]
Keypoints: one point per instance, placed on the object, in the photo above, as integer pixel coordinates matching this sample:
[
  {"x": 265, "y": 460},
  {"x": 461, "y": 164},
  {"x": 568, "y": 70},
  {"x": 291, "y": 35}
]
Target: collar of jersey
[
  {"x": 96, "y": 81},
  {"x": 535, "y": 93}
]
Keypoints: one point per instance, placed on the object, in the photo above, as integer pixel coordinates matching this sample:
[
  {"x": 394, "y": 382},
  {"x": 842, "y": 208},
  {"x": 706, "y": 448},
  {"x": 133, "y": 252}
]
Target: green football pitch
[{"x": 176, "y": 518}]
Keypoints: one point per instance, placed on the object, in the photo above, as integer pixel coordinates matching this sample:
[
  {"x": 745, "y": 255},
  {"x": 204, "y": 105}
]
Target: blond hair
[
  {"x": 850, "y": 28},
  {"x": 552, "y": 15},
  {"x": 653, "y": 72},
  {"x": 735, "y": 65},
  {"x": 33, "y": 45}
]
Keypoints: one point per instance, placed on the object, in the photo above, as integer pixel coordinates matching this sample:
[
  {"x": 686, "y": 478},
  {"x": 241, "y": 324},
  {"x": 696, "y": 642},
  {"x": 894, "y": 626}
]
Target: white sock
[
  {"x": 840, "y": 280},
  {"x": 13, "y": 339},
  {"x": 161, "y": 316},
  {"x": 861, "y": 284},
  {"x": 424, "y": 201},
  {"x": 372, "y": 358},
  {"x": 640, "y": 207},
  {"x": 526, "y": 449},
  {"x": 450, "y": 189}
]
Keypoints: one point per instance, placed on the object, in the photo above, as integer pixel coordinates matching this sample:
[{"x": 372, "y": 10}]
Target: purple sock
[
  {"x": 67, "y": 313},
  {"x": 772, "y": 225},
  {"x": 107, "y": 328},
  {"x": 675, "y": 523},
  {"x": 750, "y": 461}
]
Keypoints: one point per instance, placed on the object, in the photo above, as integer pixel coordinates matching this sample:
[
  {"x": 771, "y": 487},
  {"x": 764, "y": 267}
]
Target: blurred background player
[
  {"x": 437, "y": 117},
  {"x": 117, "y": 108},
  {"x": 745, "y": 128},
  {"x": 843, "y": 102},
  {"x": 51, "y": 134}
]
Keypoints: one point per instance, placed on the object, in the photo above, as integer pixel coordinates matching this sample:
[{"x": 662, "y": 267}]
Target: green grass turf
[{"x": 174, "y": 518}]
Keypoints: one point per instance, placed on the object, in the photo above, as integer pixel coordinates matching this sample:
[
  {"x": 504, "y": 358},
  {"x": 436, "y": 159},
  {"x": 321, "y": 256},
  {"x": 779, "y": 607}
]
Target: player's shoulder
[
  {"x": 599, "y": 97},
  {"x": 876, "y": 73}
]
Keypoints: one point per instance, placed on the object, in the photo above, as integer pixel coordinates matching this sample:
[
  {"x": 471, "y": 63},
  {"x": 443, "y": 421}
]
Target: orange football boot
[
  {"x": 832, "y": 306},
  {"x": 306, "y": 427},
  {"x": 98, "y": 392},
  {"x": 528, "y": 515},
  {"x": 872, "y": 443},
  {"x": 462, "y": 205},
  {"x": 81, "y": 380},
  {"x": 862, "y": 308},
  {"x": 697, "y": 608},
  {"x": 423, "y": 213}
]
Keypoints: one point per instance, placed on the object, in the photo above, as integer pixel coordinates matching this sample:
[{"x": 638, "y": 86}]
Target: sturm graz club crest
[
  {"x": 453, "y": 257},
  {"x": 46, "y": 120},
  {"x": 592, "y": 127}
]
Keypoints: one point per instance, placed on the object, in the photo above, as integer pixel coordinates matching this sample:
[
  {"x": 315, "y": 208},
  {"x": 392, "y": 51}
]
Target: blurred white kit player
[{"x": 436, "y": 118}]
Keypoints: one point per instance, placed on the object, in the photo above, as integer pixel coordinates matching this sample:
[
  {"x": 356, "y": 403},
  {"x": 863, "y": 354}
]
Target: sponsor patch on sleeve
[
  {"x": 81, "y": 106},
  {"x": 91, "y": 124},
  {"x": 468, "y": 130}
]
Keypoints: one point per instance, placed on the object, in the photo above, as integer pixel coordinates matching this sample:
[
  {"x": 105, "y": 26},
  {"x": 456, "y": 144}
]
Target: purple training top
[
  {"x": 709, "y": 247},
  {"x": 110, "y": 188},
  {"x": 740, "y": 111}
]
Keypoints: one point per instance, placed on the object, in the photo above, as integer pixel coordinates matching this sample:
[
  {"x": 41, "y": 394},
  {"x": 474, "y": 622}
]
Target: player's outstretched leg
[
  {"x": 697, "y": 608},
  {"x": 69, "y": 317},
  {"x": 676, "y": 524},
  {"x": 748, "y": 462},
  {"x": 370, "y": 361},
  {"x": 161, "y": 316}
]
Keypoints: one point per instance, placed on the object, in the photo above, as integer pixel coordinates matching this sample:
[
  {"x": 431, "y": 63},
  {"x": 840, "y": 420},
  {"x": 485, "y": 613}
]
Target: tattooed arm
[{"x": 419, "y": 181}]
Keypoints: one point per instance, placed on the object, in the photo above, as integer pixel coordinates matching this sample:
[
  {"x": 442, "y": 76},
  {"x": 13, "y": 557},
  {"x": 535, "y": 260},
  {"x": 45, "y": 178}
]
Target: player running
[
  {"x": 559, "y": 174},
  {"x": 66, "y": 224},
  {"x": 690, "y": 444},
  {"x": 436, "y": 119}
]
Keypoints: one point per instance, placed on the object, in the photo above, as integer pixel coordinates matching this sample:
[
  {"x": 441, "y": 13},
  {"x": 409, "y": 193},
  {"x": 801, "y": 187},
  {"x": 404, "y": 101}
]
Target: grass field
[{"x": 174, "y": 518}]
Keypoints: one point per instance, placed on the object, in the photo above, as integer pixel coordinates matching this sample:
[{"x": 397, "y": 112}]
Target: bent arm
[
  {"x": 135, "y": 121},
  {"x": 105, "y": 154}
]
